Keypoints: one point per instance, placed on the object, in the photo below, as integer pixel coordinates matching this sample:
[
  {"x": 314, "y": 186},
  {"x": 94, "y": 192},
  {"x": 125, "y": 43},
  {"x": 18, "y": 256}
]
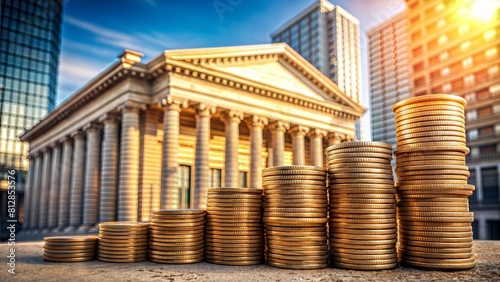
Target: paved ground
[{"x": 31, "y": 267}]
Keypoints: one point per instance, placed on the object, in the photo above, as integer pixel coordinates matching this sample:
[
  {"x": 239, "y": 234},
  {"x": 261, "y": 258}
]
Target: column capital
[
  {"x": 45, "y": 150},
  {"x": 232, "y": 116},
  {"x": 65, "y": 138},
  {"x": 317, "y": 132},
  {"x": 110, "y": 117},
  {"x": 92, "y": 126},
  {"x": 78, "y": 135},
  {"x": 257, "y": 121},
  {"x": 349, "y": 138},
  {"x": 173, "y": 103},
  {"x": 205, "y": 110},
  {"x": 131, "y": 106},
  {"x": 54, "y": 144},
  {"x": 299, "y": 130},
  {"x": 279, "y": 126},
  {"x": 335, "y": 138}
]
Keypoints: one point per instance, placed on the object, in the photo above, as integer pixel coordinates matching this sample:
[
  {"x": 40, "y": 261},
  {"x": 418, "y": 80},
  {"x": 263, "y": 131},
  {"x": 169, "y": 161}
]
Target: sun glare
[{"x": 485, "y": 9}]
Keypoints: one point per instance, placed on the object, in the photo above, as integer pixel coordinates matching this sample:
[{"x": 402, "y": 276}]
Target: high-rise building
[
  {"x": 30, "y": 32},
  {"x": 328, "y": 37},
  {"x": 453, "y": 47},
  {"x": 389, "y": 75}
]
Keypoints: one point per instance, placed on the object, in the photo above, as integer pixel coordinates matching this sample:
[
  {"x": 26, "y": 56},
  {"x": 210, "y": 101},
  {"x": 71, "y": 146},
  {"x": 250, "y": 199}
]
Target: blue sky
[{"x": 95, "y": 31}]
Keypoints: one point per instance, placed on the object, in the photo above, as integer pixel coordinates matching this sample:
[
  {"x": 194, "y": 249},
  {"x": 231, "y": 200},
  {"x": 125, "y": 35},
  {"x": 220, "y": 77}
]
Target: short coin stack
[
  {"x": 176, "y": 236},
  {"x": 363, "y": 225},
  {"x": 234, "y": 231},
  {"x": 69, "y": 248},
  {"x": 433, "y": 212},
  {"x": 295, "y": 216},
  {"x": 122, "y": 241}
]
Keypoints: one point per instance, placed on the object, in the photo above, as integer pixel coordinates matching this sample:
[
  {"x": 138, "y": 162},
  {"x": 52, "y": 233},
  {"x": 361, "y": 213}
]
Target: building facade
[
  {"x": 30, "y": 34},
  {"x": 389, "y": 75},
  {"x": 455, "y": 50},
  {"x": 144, "y": 136},
  {"x": 328, "y": 37}
]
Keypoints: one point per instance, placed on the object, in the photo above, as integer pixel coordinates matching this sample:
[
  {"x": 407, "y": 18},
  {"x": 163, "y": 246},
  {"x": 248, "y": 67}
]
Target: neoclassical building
[{"x": 144, "y": 136}]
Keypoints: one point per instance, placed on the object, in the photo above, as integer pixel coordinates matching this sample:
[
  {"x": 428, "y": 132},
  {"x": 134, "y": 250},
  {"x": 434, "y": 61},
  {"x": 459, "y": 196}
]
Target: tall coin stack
[
  {"x": 69, "y": 248},
  {"x": 234, "y": 232},
  {"x": 176, "y": 236},
  {"x": 295, "y": 216},
  {"x": 122, "y": 241},
  {"x": 363, "y": 224},
  {"x": 434, "y": 219}
]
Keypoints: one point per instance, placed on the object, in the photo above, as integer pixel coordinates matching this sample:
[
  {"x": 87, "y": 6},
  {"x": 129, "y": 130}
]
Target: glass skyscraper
[{"x": 30, "y": 32}]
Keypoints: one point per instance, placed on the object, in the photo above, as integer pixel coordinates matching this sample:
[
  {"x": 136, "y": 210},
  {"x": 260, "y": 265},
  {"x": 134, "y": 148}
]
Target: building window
[
  {"x": 419, "y": 81},
  {"x": 465, "y": 45},
  {"x": 243, "y": 179},
  {"x": 485, "y": 111},
  {"x": 493, "y": 71},
  {"x": 445, "y": 71},
  {"x": 469, "y": 79},
  {"x": 475, "y": 229},
  {"x": 463, "y": 28},
  {"x": 494, "y": 89},
  {"x": 486, "y": 131},
  {"x": 486, "y": 150},
  {"x": 215, "y": 177},
  {"x": 184, "y": 172},
  {"x": 447, "y": 87},
  {"x": 466, "y": 63},
  {"x": 489, "y": 177},
  {"x": 443, "y": 56},
  {"x": 493, "y": 227},
  {"x": 417, "y": 51},
  {"x": 439, "y": 7},
  {"x": 491, "y": 53},
  {"x": 472, "y": 134},
  {"x": 418, "y": 66},
  {"x": 442, "y": 39},
  {"x": 472, "y": 181},
  {"x": 489, "y": 34}
]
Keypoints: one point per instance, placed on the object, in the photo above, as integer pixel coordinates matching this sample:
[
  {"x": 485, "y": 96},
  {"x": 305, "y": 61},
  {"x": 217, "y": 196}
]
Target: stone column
[
  {"x": 256, "y": 125},
  {"x": 35, "y": 203},
  {"x": 44, "y": 191},
  {"x": 170, "y": 154},
  {"x": 316, "y": 149},
  {"x": 201, "y": 165},
  {"x": 232, "y": 120},
  {"x": 66, "y": 164},
  {"x": 270, "y": 157},
  {"x": 278, "y": 129},
  {"x": 55, "y": 174},
  {"x": 150, "y": 162},
  {"x": 299, "y": 153},
  {"x": 109, "y": 168},
  {"x": 128, "y": 187},
  {"x": 335, "y": 138},
  {"x": 92, "y": 173},
  {"x": 28, "y": 194},
  {"x": 77, "y": 181}
]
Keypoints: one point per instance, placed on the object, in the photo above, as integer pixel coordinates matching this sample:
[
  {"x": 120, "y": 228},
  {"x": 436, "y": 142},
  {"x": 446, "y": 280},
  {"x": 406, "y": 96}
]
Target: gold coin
[
  {"x": 68, "y": 250},
  {"x": 297, "y": 210},
  {"x": 354, "y": 181},
  {"x": 436, "y": 187},
  {"x": 431, "y": 114},
  {"x": 363, "y": 216},
  {"x": 431, "y": 135},
  {"x": 71, "y": 239},
  {"x": 295, "y": 221},
  {"x": 355, "y": 144},
  {"x": 430, "y": 100},
  {"x": 121, "y": 260},
  {"x": 233, "y": 242},
  {"x": 372, "y": 242},
  {"x": 238, "y": 258},
  {"x": 345, "y": 200},
  {"x": 436, "y": 251},
  {"x": 294, "y": 172},
  {"x": 341, "y": 156},
  {"x": 230, "y": 190},
  {"x": 297, "y": 214},
  {"x": 179, "y": 225},
  {"x": 68, "y": 255},
  {"x": 318, "y": 257},
  {"x": 293, "y": 204},
  {"x": 177, "y": 212},
  {"x": 115, "y": 244},
  {"x": 119, "y": 253},
  {"x": 293, "y": 261},
  {"x": 358, "y": 160},
  {"x": 295, "y": 196},
  {"x": 300, "y": 266},
  {"x": 432, "y": 167},
  {"x": 355, "y": 150},
  {"x": 176, "y": 246},
  {"x": 435, "y": 146},
  {"x": 365, "y": 191},
  {"x": 334, "y": 196},
  {"x": 437, "y": 214},
  {"x": 459, "y": 171},
  {"x": 362, "y": 251},
  {"x": 235, "y": 263},
  {"x": 363, "y": 207},
  {"x": 436, "y": 234},
  {"x": 359, "y": 170},
  {"x": 236, "y": 250},
  {"x": 462, "y": 219},
  {"x": 343, "y": 210},
  {"x": 293, "y": 177},
  {"x": 318, "y": 239},
  {"x": 56, "y": 246},
  {"x": 257, "y": 236},
  {"x": 438, "y": 108},
  {"x": 293, "y": 182},
  {"x": 296, "y": 229},
  {"x": 334, "y": 245},
  {"x": 470, "y": 259},
  {"x": 430, "y": 131},
  {"x": 363, "y": 185},
  {"x": 79, "y": 259},
  {"x": 410, "y": 227},
  {"x": 176, "y": 253},
  {"x": 160, "y": 235},
  {"x": 406, "y": 209},
  {"x": 365, "y": 259},
  {"x": 440, "y": 239},
  {"x": 236, "y": 225},
  {"x": 226, "y": 196},
  {"x": 279, "y": 245},
  {"x": 440, "y": 159},
  {"x": 365, "y": 236},
  {"x": 355, "y": 177},
  {"x": 432, "y": 178},
  {"x": 434, "y": 266},
  {"x": 123, "y": 225},
  {"x": 340, "y": 230},
  {"x": 197, "y": 257},
  {"x": 431, "y": 193},
  {"x": 427, "y": 244},
  {"x": 438, "y": 118},
  {"x": 296, "y": 234},
  {"x": 359, "y": 165},
  {"x": 429, "y": 125},
  {"x": 292, "y": 167},
  {"x": 336, "y": 259},
  {"x": 175, "y": 261},
  {"x": 364, "y": 267},
  {"x": 431, "y": 154},
  {"x": 336, "y": 220},
  {"x": 300, "y": 192},
  {"x": 408, "y": 253},
  {"x": 122, "y": 256},
  {"x": 461, "y": 181}
]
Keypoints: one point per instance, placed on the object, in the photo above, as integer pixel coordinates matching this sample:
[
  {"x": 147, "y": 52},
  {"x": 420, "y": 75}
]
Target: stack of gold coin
[
  {"x": 69, "y": 248},
  {"x": 122, "y": 241},
  {"x": 295, "y": 216},
  {"x": 234, "y": 231},
  {"x": 363, "y": 224},
  {"x": 434, "y": 219},
  {"x": 176, "y": 236}
]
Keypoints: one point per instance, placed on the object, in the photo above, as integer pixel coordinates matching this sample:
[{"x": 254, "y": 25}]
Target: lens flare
[{"x": 485, "y": 10}]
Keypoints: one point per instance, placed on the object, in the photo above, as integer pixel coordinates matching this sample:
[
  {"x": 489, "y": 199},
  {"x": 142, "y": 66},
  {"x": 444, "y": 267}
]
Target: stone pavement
[{"x": 31, "y": 267}]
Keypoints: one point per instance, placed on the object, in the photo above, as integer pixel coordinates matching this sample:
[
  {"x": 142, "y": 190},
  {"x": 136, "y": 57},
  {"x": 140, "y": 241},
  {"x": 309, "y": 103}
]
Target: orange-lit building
[{"x": 454, "y": 48}]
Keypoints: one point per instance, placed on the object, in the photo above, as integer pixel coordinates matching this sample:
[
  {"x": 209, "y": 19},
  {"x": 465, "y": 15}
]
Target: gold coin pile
[
  {"x": 234, "y": 231},
  {"x": 363, "y": 225},
  {"x": 176, "y": 236},
  {"x": 434, "y": 219},
  {"x": 69, "y": 248},
  {"x": 121, "y": 241},
  {"x": 295, "y": 216}
]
